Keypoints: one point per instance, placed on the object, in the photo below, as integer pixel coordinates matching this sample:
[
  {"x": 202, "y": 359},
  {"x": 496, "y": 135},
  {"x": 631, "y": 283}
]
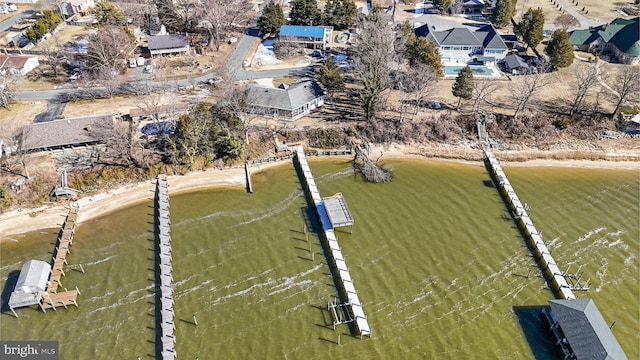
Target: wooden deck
[
  {"x": 64, "y": 299},
  {"x": 52, "y": 298}
]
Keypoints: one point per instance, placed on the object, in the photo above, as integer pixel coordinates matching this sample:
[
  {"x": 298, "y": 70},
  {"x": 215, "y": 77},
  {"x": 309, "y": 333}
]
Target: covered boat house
[{"x": 582, "y": 332}]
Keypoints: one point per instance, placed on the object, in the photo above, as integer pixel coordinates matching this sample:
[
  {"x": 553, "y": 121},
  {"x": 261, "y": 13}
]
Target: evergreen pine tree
[
  {"x": 272, "y": 18},
  {"x": 463, "y": 87},
  {"x": 421, "y": 50},
  {"x": 502, "y": 12},
  {"x": 530, "y": 27},
  {"x": 304, "y": 12},
  {"x": 559, "y": 49},
  {"x": 330, "y": 77}
]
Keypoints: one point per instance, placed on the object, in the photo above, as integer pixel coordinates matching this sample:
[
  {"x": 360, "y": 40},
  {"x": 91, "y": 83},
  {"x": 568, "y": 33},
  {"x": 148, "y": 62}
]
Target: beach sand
[{"x": 25, "y": 220}]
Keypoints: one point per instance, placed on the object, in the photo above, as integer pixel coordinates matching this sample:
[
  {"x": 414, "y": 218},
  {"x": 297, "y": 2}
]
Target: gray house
[
  {"x": 582, "y": 332},
  {"x": 173, "y": 44},
  {"x": 287, "y": 103},
  {"x": 62, "y": 133}
]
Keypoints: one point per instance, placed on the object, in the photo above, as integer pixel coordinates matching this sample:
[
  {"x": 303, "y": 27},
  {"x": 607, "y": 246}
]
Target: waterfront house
[
  {"x": 620, "y": 37},
  {"x": 308, "y": 36},
  {"x": 582, "y": 332},
  {"x": 479, "y": 43},
  {"x": 64, "y": 133},
  {"x": 286, "y": 102}
]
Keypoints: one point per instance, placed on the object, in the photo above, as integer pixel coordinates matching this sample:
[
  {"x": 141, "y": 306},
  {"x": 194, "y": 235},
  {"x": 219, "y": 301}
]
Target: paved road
[
  {"x": 5, "y": 25},
  {"x": 584, "y": 21},
  {"x": 240, "y": 53},
  {"x": 234, "y": 65}
]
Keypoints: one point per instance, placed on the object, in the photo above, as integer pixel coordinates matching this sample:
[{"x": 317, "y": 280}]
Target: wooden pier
[
  {"x": 550, "y": 269},
  {"x": 164, "y": 288},
  {"x": 51, "y": 298},
  {"x": 347, "y": 290}
]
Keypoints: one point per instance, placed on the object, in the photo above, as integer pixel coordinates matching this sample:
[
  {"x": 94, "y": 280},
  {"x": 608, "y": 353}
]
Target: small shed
[{"x": 516, "y": 65}]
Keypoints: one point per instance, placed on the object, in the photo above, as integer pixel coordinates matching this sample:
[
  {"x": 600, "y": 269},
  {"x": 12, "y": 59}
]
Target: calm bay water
[{"x": 437, "y": 261}]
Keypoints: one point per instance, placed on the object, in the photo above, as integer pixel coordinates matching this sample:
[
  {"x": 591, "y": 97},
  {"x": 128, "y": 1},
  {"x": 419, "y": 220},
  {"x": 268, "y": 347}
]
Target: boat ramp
[
  {"x": 334, "y": 208},
  {"x": 164, "y": 289}
]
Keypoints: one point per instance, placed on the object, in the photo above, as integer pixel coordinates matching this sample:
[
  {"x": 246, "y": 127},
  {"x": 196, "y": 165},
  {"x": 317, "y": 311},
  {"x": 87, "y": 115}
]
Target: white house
[
  {"x": 70, "y": 8},
  {"x": 479, "y": 43},
  {"x": 17, "y": 64}
]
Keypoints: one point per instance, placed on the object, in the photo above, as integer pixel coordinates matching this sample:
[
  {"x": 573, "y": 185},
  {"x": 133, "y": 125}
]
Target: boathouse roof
[
  {"x": 586, "y": 330},
  {"x": 33, "y": 277}
]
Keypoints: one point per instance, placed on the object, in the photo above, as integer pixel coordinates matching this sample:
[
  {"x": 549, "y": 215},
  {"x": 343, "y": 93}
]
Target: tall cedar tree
[
  {"x": 341, "y": 14},
  {"x": 272, "y": 19},
  {"x": 330, "y": 77},
  {"x": 502, "y": 12},
  {"x": 559, "y": 49},
  {"x": 530, "y": 27},
  {"x": 304, "y": 12},
  {"x": 463, "y": 87}
]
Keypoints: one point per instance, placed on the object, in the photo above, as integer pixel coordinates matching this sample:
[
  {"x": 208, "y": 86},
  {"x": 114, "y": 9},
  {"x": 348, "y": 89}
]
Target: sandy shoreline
[{"x": 20, "y": 221}]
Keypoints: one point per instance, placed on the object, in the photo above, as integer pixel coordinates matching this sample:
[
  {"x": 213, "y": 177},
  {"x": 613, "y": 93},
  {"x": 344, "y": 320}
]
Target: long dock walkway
[
  {"x": 338, "y": 259},
  {"x": 541, "y": 253},
  {"x": 165, "y": 295},
  {"x": 51, "y": 298}
]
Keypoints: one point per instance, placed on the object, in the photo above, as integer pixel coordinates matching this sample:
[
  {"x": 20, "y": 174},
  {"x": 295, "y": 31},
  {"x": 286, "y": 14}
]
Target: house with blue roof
[{"x": 315, "y": 37}]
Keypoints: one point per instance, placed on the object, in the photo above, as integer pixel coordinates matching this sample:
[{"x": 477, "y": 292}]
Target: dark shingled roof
[
  {"x": 514, "y": 62},
  {"x": 457, "y": 37},
  {"x": 290, "y": 98},
  {"x": 585, "y": 329},
  {"x": 67, "y": 132},
  {"x": 490, "y": 38},
  {"x": 162, "y": 42}
]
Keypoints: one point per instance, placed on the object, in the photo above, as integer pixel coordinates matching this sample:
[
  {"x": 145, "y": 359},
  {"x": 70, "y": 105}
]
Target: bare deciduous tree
[
  {"x": 55, "y": 55},
  {"x": 219, "y": 16},
  {"x": 372, "y": 61},
  {"x": 528, "y": 87},
  {"x": 586, "y": 78},
  {"x": 6, "y": 89},
  {"x": 415, "y": 85},
  {"x": 482, "y": 89},
  {"x": 566, "y": 21},
  {"x": 108, "y": 49},
  {"x": 626, "y": 86}
]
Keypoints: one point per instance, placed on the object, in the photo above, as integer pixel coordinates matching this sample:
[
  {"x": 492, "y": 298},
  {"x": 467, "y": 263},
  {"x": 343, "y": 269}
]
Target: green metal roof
[
  {"x": 624, "y": 34},
  {"x": 583, "y": 36}
]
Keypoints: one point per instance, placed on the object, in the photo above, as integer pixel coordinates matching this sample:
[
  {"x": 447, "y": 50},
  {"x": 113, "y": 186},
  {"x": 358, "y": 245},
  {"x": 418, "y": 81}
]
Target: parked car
[
  {"x": 132, "y": 63},
  {"x": 12, "y": 7},
  {"x": 140, "y": 61},
  {"x": 216, "y": 79}
]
